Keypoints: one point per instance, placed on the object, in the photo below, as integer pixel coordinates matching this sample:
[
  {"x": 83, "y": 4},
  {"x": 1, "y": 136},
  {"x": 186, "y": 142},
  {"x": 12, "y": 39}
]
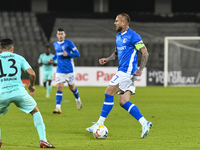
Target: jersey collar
[
  {"x": 124, "y": 32},
  {"x": 60, "y": 42}
]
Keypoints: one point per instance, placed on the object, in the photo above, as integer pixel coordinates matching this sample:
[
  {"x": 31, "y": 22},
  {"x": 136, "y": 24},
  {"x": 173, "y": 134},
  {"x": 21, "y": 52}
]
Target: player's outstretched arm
[
  {"x": 144, "y": 59},
  {"x": 103, "y": 61},
  {"x": 32, "y": 78}
]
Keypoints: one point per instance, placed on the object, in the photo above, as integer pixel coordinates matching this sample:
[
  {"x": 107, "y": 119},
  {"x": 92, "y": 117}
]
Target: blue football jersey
[
  {"x": 65, "y": 64},
  {"x": 127, "y": 46}
]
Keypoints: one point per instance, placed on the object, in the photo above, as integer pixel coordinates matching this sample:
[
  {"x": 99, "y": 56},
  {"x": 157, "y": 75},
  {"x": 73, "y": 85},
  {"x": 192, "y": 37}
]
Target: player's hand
[
  {"x": 40, "y": 63},
  {"x": 64, "y": 53},
  {"x": 138, "y": 72},
  {"x": 102, "y": 61},
  {"x": 50, "y": 61},
  {"x": 31, "y": 89}
]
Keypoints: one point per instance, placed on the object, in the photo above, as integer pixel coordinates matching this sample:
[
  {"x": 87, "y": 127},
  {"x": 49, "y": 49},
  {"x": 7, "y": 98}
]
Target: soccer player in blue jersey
[
  {"x": 128, "y": 44},
  {"x": 65, "y": 51},
  {"x": 12, "y": 89},
  {"x": 47, "y": 69}
]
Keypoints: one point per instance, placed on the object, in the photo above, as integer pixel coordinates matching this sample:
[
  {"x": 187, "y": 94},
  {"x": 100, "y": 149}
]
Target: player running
[
  {"x": 65, "y": 51},
  {"x": 12, "y": 89},
  {"x": 128, "y": 44},
  {"x": 47, "y": 69}
]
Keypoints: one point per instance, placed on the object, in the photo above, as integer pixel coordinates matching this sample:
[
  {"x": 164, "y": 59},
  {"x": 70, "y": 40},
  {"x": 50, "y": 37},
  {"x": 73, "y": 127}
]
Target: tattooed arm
[
  {"x": 103, "y": 61},
  {"x": 144, "y": 59}
]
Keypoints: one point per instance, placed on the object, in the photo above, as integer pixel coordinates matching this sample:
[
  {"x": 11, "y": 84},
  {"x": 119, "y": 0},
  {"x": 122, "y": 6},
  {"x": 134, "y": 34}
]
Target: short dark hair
[
  {"x": 6, "y": 43},
  {"x": 61, "y": 29},
  {"x": 126, "y": 17}
]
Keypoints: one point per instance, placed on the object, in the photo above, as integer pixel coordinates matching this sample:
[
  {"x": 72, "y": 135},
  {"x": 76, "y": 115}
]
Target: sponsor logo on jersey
[
  {"x": 61, "y": 53},
  {"x": 121, "y": 48}
]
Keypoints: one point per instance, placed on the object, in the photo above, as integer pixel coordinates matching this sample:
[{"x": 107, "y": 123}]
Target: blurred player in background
[
  {"x": 12, "y": 89},
  {"x": 47, "y": 69},
  {"x": 128, "y": 44},
  {"x": 65, "y": 51}
]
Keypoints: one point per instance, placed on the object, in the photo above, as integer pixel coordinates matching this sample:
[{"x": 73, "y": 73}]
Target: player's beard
[{"x": 119, "y": 29}]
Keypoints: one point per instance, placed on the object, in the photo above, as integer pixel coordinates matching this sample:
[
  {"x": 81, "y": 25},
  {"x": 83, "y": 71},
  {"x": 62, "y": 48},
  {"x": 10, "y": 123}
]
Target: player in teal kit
[
  {"x": 12, "y": 89},
  {"x": 128, "y": 44},
  {"x": 47, "y": 69}
]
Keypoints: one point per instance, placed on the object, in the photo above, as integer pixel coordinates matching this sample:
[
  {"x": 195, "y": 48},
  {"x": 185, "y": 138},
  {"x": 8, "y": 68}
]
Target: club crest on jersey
[{"x": 124, "y": 40}]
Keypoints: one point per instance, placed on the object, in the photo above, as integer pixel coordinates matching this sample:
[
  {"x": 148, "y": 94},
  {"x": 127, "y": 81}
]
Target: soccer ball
[{"x": 100, "y": 132}]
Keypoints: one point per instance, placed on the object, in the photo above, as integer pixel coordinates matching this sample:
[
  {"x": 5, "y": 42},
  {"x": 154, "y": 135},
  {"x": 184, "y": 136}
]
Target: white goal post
[{"x": 178, "y": 42}]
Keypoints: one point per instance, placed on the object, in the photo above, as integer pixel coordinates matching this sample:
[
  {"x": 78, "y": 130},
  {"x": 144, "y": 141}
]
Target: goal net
[{"x": 182, "y": 61}]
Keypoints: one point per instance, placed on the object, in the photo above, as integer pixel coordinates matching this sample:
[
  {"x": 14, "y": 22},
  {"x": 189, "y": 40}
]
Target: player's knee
[
  {"x": 122, "y": 102},
  {"x": 72, "y": 88},
  {"x": 49, "y": 82},
  {"x": 59, "y": 88},
  {"x": 34, "y": 110}
]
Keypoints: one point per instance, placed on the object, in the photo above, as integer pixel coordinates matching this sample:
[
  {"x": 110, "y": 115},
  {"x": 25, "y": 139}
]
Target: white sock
[
  {"x": 58, "y": 106},
  {"x": 101, "y": 120},
  {"x": 142, "y": 120},
  {"x": 78, "y": 99},
  {"x": 44, "y": 140}
]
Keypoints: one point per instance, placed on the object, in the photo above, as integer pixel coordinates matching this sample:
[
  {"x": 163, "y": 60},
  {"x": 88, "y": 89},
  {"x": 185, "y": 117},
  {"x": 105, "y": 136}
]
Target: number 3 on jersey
[{"x": 2, "y": 74}]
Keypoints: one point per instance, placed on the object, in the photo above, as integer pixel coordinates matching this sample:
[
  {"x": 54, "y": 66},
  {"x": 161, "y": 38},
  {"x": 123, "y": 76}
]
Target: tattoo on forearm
[
  {"x": 113, "y": 56},
  {"x": 144, "y": 60}
]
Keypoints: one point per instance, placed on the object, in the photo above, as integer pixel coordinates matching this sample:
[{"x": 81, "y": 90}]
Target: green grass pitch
[{"x": 174, "y": 112}]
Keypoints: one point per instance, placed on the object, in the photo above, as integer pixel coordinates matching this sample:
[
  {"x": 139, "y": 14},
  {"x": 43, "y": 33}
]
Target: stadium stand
[
  {"x": 26, "y": 32},
  {"x": 95, "y": 38}
]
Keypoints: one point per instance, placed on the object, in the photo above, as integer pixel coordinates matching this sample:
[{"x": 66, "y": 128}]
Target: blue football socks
[
  {"x": 76, "y": 94},
  {"x": 133, "y": 110},
  {"x": 39, "y": 124},
  {"x": 59, "y": 96},
  {"x": 107, "y": 106}
]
